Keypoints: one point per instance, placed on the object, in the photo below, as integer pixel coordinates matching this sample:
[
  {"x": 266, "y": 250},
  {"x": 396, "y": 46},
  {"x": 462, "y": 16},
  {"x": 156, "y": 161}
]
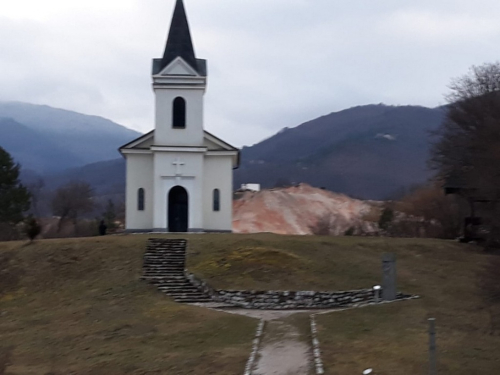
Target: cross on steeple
[{"x": 178, "y": 166}]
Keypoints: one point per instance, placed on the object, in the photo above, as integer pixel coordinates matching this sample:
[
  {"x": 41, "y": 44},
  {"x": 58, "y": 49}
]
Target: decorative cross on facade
[{"x": 178, "y": 166}]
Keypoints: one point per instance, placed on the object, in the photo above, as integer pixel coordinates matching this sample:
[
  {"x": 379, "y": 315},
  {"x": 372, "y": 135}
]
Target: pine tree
[{"x": 14, "y": 197}]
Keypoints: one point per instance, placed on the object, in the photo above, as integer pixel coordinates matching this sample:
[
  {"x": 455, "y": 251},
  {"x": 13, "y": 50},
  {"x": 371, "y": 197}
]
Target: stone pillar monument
[{"x": 389, "y": 290}]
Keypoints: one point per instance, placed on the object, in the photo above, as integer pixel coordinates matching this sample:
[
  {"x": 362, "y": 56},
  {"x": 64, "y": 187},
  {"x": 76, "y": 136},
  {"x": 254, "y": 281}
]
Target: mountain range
[
  {"x": 46, "y": 140},
  {"x": 368, "y": 152}
]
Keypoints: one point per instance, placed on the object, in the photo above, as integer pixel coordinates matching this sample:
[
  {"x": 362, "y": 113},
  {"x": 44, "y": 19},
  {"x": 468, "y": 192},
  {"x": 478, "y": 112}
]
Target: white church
[{"x": 179, "y": 176}]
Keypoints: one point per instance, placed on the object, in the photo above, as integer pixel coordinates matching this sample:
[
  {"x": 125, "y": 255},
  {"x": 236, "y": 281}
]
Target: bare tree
[
  {"x": 468, "y": 148},
  {"x": 440, "y": 214},
  {"x": 36, "y": 190},
  {"x": 71, "y": 201}
]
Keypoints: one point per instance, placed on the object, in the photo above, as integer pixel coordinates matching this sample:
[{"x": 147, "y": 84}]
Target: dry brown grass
[
  {"x": 78, "y": 307},
  {"x": 392, "y": 338}
]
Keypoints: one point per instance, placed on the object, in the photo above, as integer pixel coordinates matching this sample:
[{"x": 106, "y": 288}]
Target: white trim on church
[{"x": 179, "y": 177}]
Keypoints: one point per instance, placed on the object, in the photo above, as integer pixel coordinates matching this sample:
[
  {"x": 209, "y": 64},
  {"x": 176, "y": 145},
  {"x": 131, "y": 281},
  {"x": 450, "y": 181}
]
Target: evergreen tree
[{"x": 14, "y": 197}]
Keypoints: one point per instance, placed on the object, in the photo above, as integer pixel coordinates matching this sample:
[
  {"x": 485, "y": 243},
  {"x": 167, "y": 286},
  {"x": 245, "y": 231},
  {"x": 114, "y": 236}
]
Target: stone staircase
[{"x": 164, "y": 263}]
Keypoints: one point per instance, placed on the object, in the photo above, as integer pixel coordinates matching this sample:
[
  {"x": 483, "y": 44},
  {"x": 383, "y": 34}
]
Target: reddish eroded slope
[{"x": 296, "y": 210}]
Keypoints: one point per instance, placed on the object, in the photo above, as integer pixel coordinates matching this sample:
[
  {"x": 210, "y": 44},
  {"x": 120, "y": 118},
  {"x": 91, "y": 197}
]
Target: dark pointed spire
[{"x": 179, "y": 43}]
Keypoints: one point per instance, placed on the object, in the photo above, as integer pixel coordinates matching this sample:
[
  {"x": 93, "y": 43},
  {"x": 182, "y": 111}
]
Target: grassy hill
[{"x": 77, "y": 306}]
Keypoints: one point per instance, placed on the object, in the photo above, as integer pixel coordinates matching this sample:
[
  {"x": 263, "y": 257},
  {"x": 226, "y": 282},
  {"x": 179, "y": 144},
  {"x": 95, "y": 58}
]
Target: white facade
[{"x": 179, "y": 177}]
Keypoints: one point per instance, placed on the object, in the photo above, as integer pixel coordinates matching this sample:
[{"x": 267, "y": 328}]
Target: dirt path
[{"x": 282, "y": 351}]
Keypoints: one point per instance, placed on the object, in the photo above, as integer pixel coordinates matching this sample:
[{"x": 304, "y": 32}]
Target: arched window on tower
[
  {"x": 140, "y": 199},
  {"x": 179, "y": 113},
  {"x": 216, "y": 200}
]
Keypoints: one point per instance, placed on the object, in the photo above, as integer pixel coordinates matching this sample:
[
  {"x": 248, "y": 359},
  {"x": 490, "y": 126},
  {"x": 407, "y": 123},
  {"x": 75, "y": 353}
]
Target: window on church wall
[
  {"x": 216, "y": 200},
  {"x": 140, "y": 199},
  {"x": 179, "y": 113}
]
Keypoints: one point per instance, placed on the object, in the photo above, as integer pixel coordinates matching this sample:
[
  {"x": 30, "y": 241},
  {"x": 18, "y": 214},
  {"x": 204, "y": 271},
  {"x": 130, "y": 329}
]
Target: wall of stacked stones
[
  {"x": 270, "y": 300},
  {"x": 276, "y": 300}
]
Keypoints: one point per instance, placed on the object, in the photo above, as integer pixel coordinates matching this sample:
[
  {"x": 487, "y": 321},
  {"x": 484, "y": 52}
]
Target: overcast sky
[{"x": 272, "y": 63}]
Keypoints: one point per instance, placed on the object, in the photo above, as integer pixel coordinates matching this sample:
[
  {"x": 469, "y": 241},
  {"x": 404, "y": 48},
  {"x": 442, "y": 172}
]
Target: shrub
[
  {"x": 32, "y": 228},
  {"x": 349, "y": 232}
]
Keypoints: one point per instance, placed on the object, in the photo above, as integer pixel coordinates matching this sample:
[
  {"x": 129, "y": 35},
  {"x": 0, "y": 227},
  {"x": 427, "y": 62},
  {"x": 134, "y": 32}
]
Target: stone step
[
  {"x": 167, "y": 255},
  {"x": 164, "y": 251},
  {"x": 167, "y": 245},
  {"x": 166, "y": 248},
  {"x": 186, "y": 288},
  {"x": 147, "y": 264},
  {"x": 164, "y": 263},
  {"x": 174, "y": 287},
  {"x": 165, "y": 259},
  {"x": 176, "y": 276},
  {"x": 180, "y": 297},
  {"x": 164, "y": 270},
  {"x": 162, "y": 278},
  {"x": 193, "y": 300},
  {"x": 182, "y": 293},
  {"x": 170, "y": 276},
  {"x": 176, "y": 271},
  {"x": 173, "y": 282}
]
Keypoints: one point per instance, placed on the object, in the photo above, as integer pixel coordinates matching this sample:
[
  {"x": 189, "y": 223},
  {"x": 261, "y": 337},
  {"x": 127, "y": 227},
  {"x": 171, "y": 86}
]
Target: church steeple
[{"x": 179, "y": 43}]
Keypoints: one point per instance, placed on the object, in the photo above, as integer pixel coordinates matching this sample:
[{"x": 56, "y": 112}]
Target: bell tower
[{"x": 179, "y": 83}]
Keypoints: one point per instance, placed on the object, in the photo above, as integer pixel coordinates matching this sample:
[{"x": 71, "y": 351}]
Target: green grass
[{"x": 77, "y": 306}]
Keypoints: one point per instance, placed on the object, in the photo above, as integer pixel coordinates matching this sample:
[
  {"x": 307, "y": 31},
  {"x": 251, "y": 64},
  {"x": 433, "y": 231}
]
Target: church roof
[
  {"x": 210, "y": 142},
  {"x": 179, "y": 43},
  {"x": 216, "y": 144}
]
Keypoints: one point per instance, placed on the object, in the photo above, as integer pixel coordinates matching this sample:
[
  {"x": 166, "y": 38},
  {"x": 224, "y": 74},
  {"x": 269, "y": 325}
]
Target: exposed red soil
[{"x": 297, "y": 210}]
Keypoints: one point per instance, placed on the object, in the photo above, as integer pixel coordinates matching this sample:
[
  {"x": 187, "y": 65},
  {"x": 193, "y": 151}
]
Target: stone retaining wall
[
  {"x": 284, "y": 300},
  {"x": 288, "y": 300}
]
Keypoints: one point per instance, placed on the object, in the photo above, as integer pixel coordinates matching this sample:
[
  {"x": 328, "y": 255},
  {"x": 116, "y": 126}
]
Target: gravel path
[{"x": 282, "y": 352}]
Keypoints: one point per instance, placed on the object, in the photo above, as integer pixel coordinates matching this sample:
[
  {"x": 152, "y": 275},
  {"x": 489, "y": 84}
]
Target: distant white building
[
  {"x": 179, "y": 177},
  {"x": 251, "y": 187}
]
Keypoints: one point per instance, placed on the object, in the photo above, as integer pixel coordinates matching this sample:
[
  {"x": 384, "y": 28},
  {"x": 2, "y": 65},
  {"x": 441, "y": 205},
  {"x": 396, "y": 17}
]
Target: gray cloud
[{"x": 271, "y": 63}]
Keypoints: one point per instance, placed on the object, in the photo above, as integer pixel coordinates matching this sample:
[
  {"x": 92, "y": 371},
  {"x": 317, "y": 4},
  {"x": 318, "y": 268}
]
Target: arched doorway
[{"x": 178, "y": 216}]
